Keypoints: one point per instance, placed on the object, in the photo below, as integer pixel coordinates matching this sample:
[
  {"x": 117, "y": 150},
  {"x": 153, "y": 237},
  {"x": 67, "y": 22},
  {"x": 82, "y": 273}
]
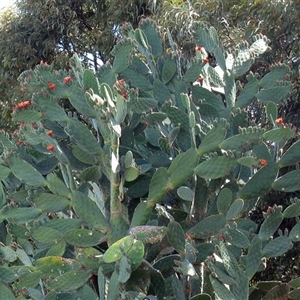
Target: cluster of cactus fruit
[{"x": 143, "y": 188}]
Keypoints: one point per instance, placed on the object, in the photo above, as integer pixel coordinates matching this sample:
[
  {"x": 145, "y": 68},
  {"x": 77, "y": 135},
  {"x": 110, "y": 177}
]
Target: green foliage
[
  {"x": 71, "y": 228},
  {"x": 241, "y": 20},
  {"x": 34, "y": 31}
]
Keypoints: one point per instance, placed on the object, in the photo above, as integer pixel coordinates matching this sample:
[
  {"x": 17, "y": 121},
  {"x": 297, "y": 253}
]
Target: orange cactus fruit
[
  {"x": 50, "y": 147},
  {"x": 51, "y": 86},
  {"x": 49, "y": 133},
  {"x": 67, "y": 79},
  {"x": 198, "y": 48},
  {"x": 262, "y": 162},
  {"x": 20, "y": 105},
  {"x": 279, "y": 121},
  {"x": 26, "y": 103},
  {"x": 121, "y": 82}
]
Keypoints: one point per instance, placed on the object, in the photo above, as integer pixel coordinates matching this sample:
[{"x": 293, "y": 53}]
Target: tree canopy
[{"x": 52, "y": 31}]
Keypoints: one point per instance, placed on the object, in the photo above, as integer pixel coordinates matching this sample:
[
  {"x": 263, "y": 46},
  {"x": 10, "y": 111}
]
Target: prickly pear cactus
[{"x": 137, "y": 181}]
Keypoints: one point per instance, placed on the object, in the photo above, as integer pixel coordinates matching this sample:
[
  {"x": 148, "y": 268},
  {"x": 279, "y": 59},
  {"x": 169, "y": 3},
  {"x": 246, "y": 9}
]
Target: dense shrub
[{"x": 144, "y": 188}]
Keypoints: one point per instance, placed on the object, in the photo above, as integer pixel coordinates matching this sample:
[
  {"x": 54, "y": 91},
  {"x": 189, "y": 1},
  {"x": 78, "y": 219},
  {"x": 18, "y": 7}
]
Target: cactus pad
[
  {"x": 270, "y": 224},
  {"x": 88, "y": 211},
  {"x": 254, "y": 257},
  {"x": 217, "y": 167},
  {"x": 260, "y": 182},
  {"x": 26, "y": 172},
  {"x": 279, "y": 134},
  {"x": 148, "y": 234},
  {"x": 277, "y": 247},
  {"x": 213, "y": 138},
  {"x": 291, "y": 156},
  {"x": 243, "y": 141},
  {"x": 289, "y": 182},
  {"x": 207, "y": 227},
  {"x": 83, "y": 237}
]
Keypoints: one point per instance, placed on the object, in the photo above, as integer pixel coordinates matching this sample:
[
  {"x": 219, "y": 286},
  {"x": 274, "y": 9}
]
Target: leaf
[
  {"x": 20, "y": 215},
  {"x": 90, "y": 81},
  {"x": 122, "y": 53},
  {"x": 216, "y": 167},
  {"x": 63, "y": 225},
  {"x": 83, "y": 137},
  {"x": 148, "y": 234},
  {"x": 213, "y": 138},
  {"x": 89, "y": 212},
  {"x": 277, "y": 247},
  {"x": 279, "y": 292},
  {"x": 8, "y": 253},
  {"x": 176, "y": 237},
  {"x": 136, "y": 254},
  {"x": 177, "y": 288},
  {"x": 26, "y": 172},
  {"x": 254, "y": 256},
  {"x": 270, "y": 225},
  {"x": 70, "y": 281},
  {"x": 234, "y": 209},
  {"x": 46, "y": 235},
  {"x": 83, "y": 237},
  {"x": 169, "y": 70},
  {"x": 291, "y": 156},
  {"x": 27, "y": 116},
  {"x": 6, "y": 293},
  {"x": 260, "y": 182},
  {"x": 57, "y": 186},
  {"x": 115, "y": 251},
  {"x": 29, "y": 281},
  {"x": 53, "y": 266},
  {"x": 207, "y": 227},
  {"x": 279, "y": 134},
  {"x": 289, "y": 182},
  {"x": 101, "y": 283},
  {"x": 193, "y": 72},
  {"x": 292, "y": 210},
  {"x": 181, "y": 168},
  {"x": 124, "y": 269},
  {"x": 4, "y": 172},
  {"x": 185, "y": 193},
  {"x": 153, "y": 36},
  {"x": 158, "y": 185},
  {"x": 7, "y": 275},
  {"x": 224, "y": 200},
  {"x": 247, "y": 95},
  {"x": 113, "y": 287},
  {"x": 271, "y": 111},
  {"x": 58, "y": 249},
  {"x": 50, "y": 203},
  {"x": 221, "y": 291}
]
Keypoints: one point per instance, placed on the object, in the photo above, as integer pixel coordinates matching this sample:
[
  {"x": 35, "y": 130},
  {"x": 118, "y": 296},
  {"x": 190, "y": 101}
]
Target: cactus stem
[
  {"x": 201, "y": 197},
  {"x": 118, "y": 221},
  {"x": 71, "y": 178},
  {"x": 152, "y": 202}
]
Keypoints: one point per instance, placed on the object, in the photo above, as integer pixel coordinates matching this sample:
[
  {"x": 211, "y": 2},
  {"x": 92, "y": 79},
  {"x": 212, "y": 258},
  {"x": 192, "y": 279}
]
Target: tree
[
  {"x": 52, "y": 31},
  {"x": 239, "y": 20}
]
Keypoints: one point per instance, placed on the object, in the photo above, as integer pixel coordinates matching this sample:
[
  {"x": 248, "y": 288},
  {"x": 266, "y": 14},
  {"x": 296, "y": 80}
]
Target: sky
[{"x": 5, "y": 3}]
